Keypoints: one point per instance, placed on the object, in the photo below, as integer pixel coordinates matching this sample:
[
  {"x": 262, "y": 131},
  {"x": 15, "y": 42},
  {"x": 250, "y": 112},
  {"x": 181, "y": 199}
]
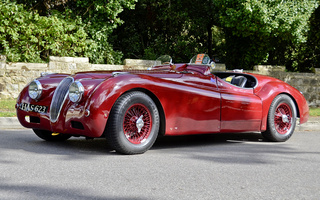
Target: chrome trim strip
[
  {"x": 38, "y": 90},
  {"x": 80, "y": 90},
  {"x": 57, "y": 103}
]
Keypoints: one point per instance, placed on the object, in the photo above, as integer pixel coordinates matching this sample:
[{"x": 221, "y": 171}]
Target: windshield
[
  {"x": 163, "y": 60},
  {"x": 202, "y": 59}
]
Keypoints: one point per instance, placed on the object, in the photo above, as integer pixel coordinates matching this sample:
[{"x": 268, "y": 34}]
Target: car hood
[{"x": 107, "y": 74}]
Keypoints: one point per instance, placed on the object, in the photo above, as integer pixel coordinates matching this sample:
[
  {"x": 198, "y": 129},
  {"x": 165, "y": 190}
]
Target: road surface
[{"x": 193, "y": 167}]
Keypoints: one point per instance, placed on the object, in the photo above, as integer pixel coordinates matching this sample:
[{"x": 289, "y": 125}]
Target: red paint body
[{"x": 189, "y": 98}]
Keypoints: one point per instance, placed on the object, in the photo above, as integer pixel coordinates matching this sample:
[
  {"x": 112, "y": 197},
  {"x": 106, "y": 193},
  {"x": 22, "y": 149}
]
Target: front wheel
[
  {"x": 133, "y": 123},
  {"x": 48, "y": 136},
  {"x": 281, "y": 119}
]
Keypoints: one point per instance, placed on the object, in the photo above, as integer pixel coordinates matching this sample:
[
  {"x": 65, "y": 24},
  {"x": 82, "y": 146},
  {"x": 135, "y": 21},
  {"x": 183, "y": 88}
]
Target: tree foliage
[
  {"x": 27, "y": 36},
  {"x": 256, "y": 28},
  {"x": 178, "y": 28},
  {"x": 241, "y": 32},
  {"x": 309, "y": 53},
  {"x": 33, "y": 29}
]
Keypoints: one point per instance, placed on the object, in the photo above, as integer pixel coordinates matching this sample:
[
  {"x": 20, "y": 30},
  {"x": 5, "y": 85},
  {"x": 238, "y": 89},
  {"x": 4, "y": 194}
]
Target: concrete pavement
[
  {"x": 187, "y": 168},
  {"x": 10, "y": 123},
  {"x": 313, "y": 124}
]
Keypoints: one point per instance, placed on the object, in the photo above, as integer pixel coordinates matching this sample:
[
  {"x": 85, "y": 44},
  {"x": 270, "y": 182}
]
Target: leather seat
[{"x": 239, "y": 81}]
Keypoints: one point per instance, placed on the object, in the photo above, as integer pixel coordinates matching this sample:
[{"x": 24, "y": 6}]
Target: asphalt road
[{"x": 202, "y": 167}]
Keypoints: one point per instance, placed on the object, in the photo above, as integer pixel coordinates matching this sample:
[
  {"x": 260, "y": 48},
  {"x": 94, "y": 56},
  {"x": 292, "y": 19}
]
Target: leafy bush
[
  {"x": 242, "y": 33},
  {"x": 31, "y": 30},
  {"x": 28, "y": 37},
  {"x": 263, "y": 31}
]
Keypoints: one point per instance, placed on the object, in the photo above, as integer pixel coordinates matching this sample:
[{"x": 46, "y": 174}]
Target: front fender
[{"x": 102, "y": 99}]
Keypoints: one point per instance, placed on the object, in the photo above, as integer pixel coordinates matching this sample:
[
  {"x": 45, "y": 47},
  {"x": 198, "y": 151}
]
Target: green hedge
[{"x": 28, "y": 37}]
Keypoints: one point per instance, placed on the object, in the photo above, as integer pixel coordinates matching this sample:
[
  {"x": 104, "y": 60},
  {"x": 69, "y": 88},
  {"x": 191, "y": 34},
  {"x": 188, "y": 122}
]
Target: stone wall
[
  {"x": 307, "y": 83},
  {"x": 15, "y": 76}
]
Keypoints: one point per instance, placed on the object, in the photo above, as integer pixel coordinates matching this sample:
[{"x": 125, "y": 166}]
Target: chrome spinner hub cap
[
  {"x": 285, "y": 119},
  {"x": 140, "y": 123}
]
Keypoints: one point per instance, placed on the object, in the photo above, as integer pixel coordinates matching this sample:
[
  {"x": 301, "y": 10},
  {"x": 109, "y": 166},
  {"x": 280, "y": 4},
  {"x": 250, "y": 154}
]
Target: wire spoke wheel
[
  {"x": 133, "y": 123},
  {"x": 281, "y": 119},
  {"x": 137, "y": 123}
]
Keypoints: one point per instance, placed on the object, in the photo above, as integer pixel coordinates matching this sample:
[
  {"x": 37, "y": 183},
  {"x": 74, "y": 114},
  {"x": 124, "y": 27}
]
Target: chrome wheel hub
[
  {"x": 139, "y": 123},
  {"x": 285, "y": 119}
]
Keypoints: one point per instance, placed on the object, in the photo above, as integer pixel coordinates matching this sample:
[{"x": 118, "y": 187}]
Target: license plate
[{"x": 33, "y": 108}]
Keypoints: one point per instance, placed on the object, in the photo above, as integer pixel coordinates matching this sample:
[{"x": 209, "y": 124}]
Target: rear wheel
[
  {"x": 133, "y": 123},
  {"x": 281, "y": 119},
  {"x": 48, "y": 136}
]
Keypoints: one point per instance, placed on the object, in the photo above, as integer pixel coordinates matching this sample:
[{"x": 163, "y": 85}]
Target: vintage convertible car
[{"x": 131, "y": 108}]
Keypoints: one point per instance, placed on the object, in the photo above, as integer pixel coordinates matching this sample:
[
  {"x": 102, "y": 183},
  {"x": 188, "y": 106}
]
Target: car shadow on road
[
  {"x": 226, "y": 144},
  {"x": 22, "y": 139},
  {"x": 99, "y": 146},
  {"x": 204, "y": 140},
  {"x": 244, "y": 149},
  {"x": 31, "y": 191}
]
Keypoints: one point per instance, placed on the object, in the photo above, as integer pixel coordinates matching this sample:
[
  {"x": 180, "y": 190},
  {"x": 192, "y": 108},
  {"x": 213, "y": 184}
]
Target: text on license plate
[{"x": 33, "y": 108}]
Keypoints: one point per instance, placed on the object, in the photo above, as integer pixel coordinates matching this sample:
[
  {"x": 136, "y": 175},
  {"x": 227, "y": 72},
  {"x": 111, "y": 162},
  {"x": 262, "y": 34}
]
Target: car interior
[{"x": 238, "y": 79}]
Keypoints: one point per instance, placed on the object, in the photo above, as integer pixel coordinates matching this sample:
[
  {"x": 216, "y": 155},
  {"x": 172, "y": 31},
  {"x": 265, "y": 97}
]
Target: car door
[
  {"x": 241, "y": 109},
  {"x": 194, "y": 106}
]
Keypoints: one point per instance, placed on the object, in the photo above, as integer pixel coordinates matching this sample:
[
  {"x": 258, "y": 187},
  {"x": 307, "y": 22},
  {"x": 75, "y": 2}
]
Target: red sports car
[{"x": 131, "y": 108}]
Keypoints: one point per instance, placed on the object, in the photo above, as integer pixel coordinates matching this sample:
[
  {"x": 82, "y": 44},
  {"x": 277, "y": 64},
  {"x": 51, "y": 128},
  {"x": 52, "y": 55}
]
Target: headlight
[
  {"x": 35, "y": 89},
  {"x": 76, "y": 91}
]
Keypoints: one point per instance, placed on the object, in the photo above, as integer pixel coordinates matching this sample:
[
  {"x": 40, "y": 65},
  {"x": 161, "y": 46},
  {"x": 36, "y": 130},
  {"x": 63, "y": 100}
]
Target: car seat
[{"x": 239, "y": 81}]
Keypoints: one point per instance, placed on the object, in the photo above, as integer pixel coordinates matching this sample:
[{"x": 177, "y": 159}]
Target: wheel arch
[
  {"x": 272, "y": 133},
  {"x": 269, "y": 91},
  {"x": 269, "y": 104},
  {"x": 155, "y": 99},
  {"x": 294, "y": 101}
]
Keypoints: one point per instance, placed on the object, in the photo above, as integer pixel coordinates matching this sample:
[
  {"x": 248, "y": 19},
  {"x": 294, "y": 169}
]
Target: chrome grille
[{"x": 59, "y": 98}]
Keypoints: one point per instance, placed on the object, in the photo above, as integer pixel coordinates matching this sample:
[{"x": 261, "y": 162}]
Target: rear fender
[{"x": 270, "y": 90}]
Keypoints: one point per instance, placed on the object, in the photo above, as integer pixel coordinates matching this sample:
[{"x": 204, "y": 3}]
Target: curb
[
  {"x": 313, "y": 124},
  {"x": 10, "y": 123}
]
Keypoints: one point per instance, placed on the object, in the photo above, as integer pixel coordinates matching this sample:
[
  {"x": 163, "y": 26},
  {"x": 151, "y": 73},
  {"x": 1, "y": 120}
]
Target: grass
[
  {"x": 7, "y": 108},
  {"x": 314, "y": 111}
]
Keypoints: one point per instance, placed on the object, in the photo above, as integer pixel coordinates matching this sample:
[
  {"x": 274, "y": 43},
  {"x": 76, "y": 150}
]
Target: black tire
[
  {"x": 122, "y": 132},
  {"x": 281, "y": 119},
  {"x": 47, "y": 135}
]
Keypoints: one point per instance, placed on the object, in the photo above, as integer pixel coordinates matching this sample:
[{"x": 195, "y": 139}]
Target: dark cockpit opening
[{"x": 238, "y": 79}]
